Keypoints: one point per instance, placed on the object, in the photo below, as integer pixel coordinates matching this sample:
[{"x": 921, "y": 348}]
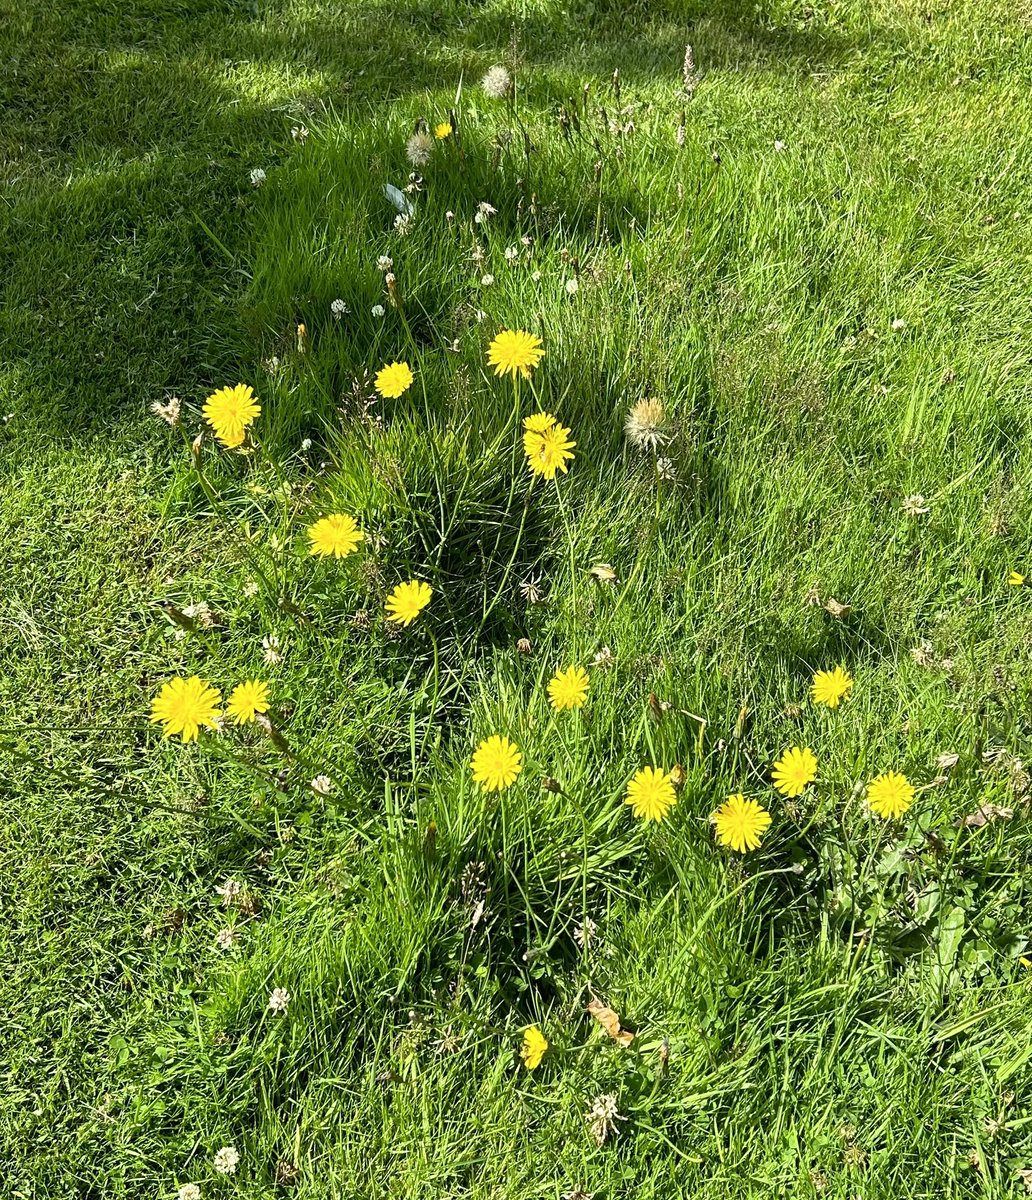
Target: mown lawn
[{"x": 812, "y": 251}]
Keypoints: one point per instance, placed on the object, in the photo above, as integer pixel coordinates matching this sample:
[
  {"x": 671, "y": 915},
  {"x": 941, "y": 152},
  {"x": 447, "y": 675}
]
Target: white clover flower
[
  {"x": 486, "y": 280},
  {"x": 572, "y": 287},
  {"x": 338, "y": 308},
  {"x": 279, "y": 998},
  {"x": 226, "y": 1160},
  {"x": 169, "y": 412},
  {"x": 899, "y": 323},
  {"x": 449, "y": 215},
  {"x": 385, "y": 263},
  {"x": 484, "y": 212},
  {"x": 306, "y": 444},
  {"x": 226, "y": 939},
  {"x": 536, "y": 277},
  {"x": 229, "y": 891},
  {"x": 322, "y": 785},
  {"x": 271, "y": 649},
  {"x": 916, "y": 505},
  {"x": 189, "y": 1191},
  {"x": 378, "y": 310},
  {"x": 779, "y": 147},
  {"x": 258, "y": 177},
  {"x": 299, "y": 133},
  {"x": 497, "y": 83},
  {"x": 403, "y": 224},
  {"x": 512, "y": 253}
]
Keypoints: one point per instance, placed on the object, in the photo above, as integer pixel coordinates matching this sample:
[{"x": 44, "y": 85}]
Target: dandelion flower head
[
  {"x": 890, "y": 795},
  {"x": 533, "y": 1049},
  {"x": 247, "y": 700},
  {"x": 549, "y": 451},
  {"x": 229, "y": 412},
  {"x": 407, "y": 601},
  {"x": 794, "y": 770},
  {"x": 393, "y": 380},
  {"x": 831, "y": 687},
  {"x": 496, "y": 763},
  {"x": 337, "y": 535},
  {"x": 184, "y": 705},
  {"x": 443, "y": 130},
  {"x": 568, "y": 689},
  {"x": 515, "y": 352},
  {"x": 740, "y": 823},
  {"x": 651, "y": 794}
]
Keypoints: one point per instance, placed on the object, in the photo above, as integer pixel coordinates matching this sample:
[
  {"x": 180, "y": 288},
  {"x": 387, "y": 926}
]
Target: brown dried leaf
[
  {"x": 837, "y": 610},
  {"x": 982, "y": 816},
  {"x": 610, "y": 1022}
]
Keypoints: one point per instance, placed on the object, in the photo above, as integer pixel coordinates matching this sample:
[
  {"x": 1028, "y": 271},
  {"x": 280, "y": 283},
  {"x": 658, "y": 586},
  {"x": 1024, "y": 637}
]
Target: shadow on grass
[{"x": 130, "y": 137}]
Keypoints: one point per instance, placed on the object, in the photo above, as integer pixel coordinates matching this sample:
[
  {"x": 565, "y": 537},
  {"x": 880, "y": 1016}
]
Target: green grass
[{"x": 832, "y": 328}]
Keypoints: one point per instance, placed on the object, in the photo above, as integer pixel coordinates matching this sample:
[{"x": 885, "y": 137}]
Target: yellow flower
[
  {"x": 831, "y": 687},
  {"x": 537, "y": 423},
  {"x": 184, "y": 705},
  {"x": 336, "y": 534},
  {"x": 514, "y": 352},
  {"x": 794, "y": 770},
  {"x": 890, "y": 795},
  {"x": 534, "y": 1046},
  {"x": 407, "y": 601},
  {"x": 496, "y": 763},
  {"x": 393, "y": 380},
  {"x": 248, "y": 699},
  {"x": 549, "y": 451},
  {"x": 569, "y": 688},
  {"x": 443, "y": 130},
  {"x": 740, "y": 823},
  {"x": 1016, "y": 579},
  {"x": 651, "y": 794},
  {"x": 229, "y": 411}
]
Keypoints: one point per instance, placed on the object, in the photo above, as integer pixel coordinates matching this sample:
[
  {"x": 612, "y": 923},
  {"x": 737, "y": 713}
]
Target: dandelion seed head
[
  {"x": 497, "y": 83},
  {"x": 419, "y": 147}
]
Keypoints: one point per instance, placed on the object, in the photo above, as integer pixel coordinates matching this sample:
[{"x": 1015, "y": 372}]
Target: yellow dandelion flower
[
  {"x": 533, "y": 1049},
  {"x": 337, "y": 534},
  {"x": 393, "y": 380},
  {"x": 651, "y": 794},
  {"x": 247, "y": 700},
  {"x": 568, "y": 689},
  {"x": 831, "y": 687},
  {"x": 514, "y": 352},
  {"x": 496, "y": 763},
  {"x": 549, "y": 451},
  {"x": 740, "y": 823},
  {"x": 538, "y": 422},
  {"x": 229, "y": 411},
  {"x": 1016, "y": 579},
  {"x": 443, "y": 130},
  {"x": 794, "y": 770},
  {"x": 184, "y": 705},
  {"x": 890, "y": 795},
  {"x": 407, "y": 601}
]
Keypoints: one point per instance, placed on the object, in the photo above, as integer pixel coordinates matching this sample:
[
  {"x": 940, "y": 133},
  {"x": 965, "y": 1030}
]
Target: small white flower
[
  {"x": 226, "y": 1160},
  {"x": 497, "y": 83},
  {"x": 603, "y": 1116},
  {"x": 338, "y": 308},
  {"x": 258, "y": 177},
  {"x": 384, "y": 263},
  {"x": 512, "y": 253},
  {"x": 299, "y": 133},
  {"x": 536, "y": 276},
  {"x": 189, "y": 1191},
  {"x": 665, "y": 470},
  {"x": 201, "y": 613},
  {"x": 322, "y": 785},
  {"x": 899, "y": 323},
  {"x": 279, "y": 998},
  {"x": 916, "y": 505},
  {"x": 378, "y": 310},
  {"x": 486, "y": 280},
  {"x": 169, "y": 412},
  {"x": 251, "y": 588},
  {"x": 306, "y": 444},
  {"x": 229, "y": 891},
  {"x": 484, "y": 211},
  {"x": 226, "y": 939},
  {"x": 571, "y": 287},
  {"x": 480, "y": 315},
  {"x": 584, "y": 934},
  {"x": 272, "y": 364},
  {"x": 449, "y": 215},
  {"x": 271, "y": 650},
  {"x": 403, "y": 224},
  {"x": 780, "y": 147}
]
